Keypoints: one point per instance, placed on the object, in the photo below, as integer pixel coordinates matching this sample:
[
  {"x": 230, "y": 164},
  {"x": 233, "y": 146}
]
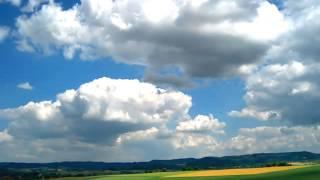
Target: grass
[{"x": 305, "y": 173}]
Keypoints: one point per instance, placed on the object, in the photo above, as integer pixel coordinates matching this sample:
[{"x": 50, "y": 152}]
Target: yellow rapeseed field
[{"x": 232, "y": 172}]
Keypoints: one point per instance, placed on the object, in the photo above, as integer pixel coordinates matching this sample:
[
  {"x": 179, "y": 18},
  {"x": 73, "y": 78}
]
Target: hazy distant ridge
[{"x": 202, "y": 163}]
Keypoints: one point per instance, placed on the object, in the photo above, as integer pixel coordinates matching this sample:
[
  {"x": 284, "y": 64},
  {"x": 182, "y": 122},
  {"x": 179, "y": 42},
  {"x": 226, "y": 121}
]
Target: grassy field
[{"x": 304, "y": 173}]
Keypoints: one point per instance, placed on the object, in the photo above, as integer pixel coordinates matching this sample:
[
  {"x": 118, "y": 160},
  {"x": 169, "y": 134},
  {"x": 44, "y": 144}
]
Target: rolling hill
[{"x": 250, "y": 160}]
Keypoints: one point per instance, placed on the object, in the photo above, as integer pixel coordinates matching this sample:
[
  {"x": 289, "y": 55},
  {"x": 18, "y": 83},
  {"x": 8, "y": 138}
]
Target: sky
[{"x": 136, "y": 80}]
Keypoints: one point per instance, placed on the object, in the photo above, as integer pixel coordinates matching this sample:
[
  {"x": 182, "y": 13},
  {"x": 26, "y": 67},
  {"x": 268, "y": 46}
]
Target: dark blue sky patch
[{"x": 278, "y": 3}]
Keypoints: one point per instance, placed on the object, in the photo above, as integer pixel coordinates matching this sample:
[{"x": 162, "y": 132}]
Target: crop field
[
  {"x": 233, "y": 172},
  {"x": 292, "y": 173}
]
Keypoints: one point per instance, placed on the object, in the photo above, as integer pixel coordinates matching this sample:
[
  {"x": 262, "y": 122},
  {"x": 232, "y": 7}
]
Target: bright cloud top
[
  {"x": 201, "y": 123},
  {"x": 103, "y": 112},
  {"x": 198, "y": 39},
  {"x": 117, "y": 106}
]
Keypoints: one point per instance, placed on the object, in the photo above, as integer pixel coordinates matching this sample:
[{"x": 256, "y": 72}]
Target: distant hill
[{"x": 175, "y": 164}]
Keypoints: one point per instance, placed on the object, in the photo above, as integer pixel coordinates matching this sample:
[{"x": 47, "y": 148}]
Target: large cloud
[
  {"x": 105, "y": 117},
  {"x": 197, "y": 38},
  {"x": 98, "y": 111},
  {"x": 286, "y": 86},
  {"x": 283, "y": 91},
  {"x": 274, "y": 139}
]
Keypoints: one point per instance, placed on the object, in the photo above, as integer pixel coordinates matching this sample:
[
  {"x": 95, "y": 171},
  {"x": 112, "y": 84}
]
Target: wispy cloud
[
  {"x": 4, "y": 33},
  {"x": 25, "y": 86},
  {"x": 13, "y": 2}
]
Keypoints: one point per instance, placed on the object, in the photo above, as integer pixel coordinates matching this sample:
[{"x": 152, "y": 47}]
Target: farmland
[
  {"x": 292, "y": 173},
  {"x": 229, "y": 172},
  {"x": 248, "y": 166}
]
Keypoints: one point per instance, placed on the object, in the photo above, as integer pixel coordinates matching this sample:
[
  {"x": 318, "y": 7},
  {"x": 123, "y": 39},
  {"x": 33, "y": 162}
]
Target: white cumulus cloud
[
  {"x": 105, "y": 115},
  {"x": 284, "y": 92},
  {"x": 201, "y": 123},
  {"x": 198, "y": 39}
]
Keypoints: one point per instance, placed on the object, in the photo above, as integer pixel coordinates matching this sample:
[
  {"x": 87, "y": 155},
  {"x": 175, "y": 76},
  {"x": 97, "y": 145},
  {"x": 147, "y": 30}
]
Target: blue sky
[
  {"x": 53, "y": 74},
  {"x": 243, "y": 80}
]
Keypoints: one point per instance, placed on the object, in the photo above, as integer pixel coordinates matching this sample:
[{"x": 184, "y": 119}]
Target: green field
[{"x": 308, "y": 173}]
